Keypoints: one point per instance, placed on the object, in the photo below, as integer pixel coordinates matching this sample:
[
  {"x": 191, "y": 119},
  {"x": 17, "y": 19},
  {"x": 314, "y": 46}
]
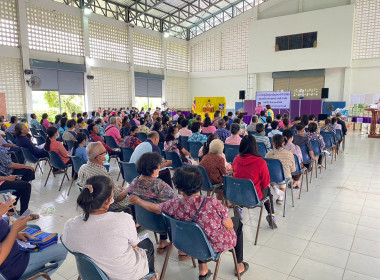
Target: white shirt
[
  {"x": 108, "y": 239},
  {"x": 274, "y": 132}
]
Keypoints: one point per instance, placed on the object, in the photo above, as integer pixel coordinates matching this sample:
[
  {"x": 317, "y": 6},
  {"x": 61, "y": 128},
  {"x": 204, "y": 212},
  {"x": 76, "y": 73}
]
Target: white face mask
[
  {"x": 112, "y": 200},
  {"x": 176, "y": 136}
]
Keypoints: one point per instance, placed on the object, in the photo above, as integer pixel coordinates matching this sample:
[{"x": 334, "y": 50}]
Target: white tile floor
[{"x": 333, "y": 232}]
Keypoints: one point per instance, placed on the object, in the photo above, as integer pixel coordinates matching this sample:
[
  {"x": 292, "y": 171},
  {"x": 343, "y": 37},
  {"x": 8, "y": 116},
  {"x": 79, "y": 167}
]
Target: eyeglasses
[{"x": 101, "y": 154}]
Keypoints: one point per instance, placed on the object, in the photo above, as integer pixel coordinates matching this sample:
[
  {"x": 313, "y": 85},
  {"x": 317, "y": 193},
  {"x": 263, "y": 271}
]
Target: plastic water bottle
[{"x": 49, "y": 210}]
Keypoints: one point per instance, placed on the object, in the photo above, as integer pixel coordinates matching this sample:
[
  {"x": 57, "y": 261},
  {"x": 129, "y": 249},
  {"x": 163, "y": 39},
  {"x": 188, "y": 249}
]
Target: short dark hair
[
  {"x": 278, "y": 116},
  {"x": 33, "y": 116},
  {"x": 13, "y": 119},
  {"x": 188, "y": 179},
  {"x": 195, "y": 126},
  {"x": 259, "y": 127},
  {"x": 230, "y": 114},
  {"x": 156, "y": 126},
  {"x": 300, "y": 127},
  {"x": 71, "y": 123},
  {"x": 311, "y": 117},
  {"x": 248, "y": 145},
  {"x": 254, "y": 118},
  {"x": 90, "y": 127},
  {"x": 185, "y": 122},
  {"x": 297, "y": 118},
  {"x": 235, "y": 128},
  {"x": 147, "y": 163},
  {"x": 287, "y": 133},
  {"x": 262, "y": 113},
  {"x": 269, "y": 119},
  {"x": 327, "y": 121},
  {"x": 207, "y": 122},
  {"x": 285, "y": 121},
  {"x": 58, "y": 118},
  {"x": 312, "y": 127},
  {"x": 133, "y": 128},
  {"x": 217, "y": 114},
  {"x": 278, "y": 140},
  {"x": 221, "y": 123},
  {"x": 274, "y": 125}
]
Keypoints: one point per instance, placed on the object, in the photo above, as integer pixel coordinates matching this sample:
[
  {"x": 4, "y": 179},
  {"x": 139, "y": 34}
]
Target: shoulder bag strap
[{"x": 199, "y": 210}]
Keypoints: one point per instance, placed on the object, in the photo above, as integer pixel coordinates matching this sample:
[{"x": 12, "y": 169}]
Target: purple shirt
[{"x": 222, "y": 133}]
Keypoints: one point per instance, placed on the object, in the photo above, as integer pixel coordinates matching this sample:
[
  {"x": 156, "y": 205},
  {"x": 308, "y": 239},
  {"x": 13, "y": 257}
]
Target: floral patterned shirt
[
  {"x": 197, "y": 137},
  {"x": 152, "y": 188},
  {"x": 131, "y": 142},
  {"x": 210, "y": 218},
  {"x": 316, "y": 137},
  {"x": 222, "y": 133}
]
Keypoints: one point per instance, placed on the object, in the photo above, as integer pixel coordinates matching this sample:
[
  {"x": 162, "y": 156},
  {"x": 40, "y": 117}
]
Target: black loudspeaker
[
  {"x": 242, "y": 94},
  {"x": 325, "y": 93},
  {"x": 322, "y": 117}
]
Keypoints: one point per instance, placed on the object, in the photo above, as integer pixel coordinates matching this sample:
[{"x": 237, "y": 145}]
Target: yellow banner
[{"x": 209, "y": 105}]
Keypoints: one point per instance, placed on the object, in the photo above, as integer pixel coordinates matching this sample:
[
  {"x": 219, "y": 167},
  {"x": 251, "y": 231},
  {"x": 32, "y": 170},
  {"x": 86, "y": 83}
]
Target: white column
[
  {"x": 24, "y": 49},
  {"x": 131, "y": 66},
  {"x": 347, "y": 85},
  {"x": 164, "y": 41},
  {"x": 87, "y": 61}
]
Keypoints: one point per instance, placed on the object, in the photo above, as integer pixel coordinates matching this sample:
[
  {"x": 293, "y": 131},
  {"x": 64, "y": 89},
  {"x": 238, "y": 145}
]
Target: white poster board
[{"x": 276, "y": 99}]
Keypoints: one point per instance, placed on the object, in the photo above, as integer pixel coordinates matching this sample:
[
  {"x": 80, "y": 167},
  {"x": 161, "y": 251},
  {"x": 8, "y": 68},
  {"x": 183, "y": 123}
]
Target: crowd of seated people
[{"x": 105, "y": 202}]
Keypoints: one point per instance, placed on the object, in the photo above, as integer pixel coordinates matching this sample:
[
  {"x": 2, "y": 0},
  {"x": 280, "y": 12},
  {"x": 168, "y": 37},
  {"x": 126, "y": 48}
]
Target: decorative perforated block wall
[
  {"x": 177, "y": 92},
  {"x": 367, "y": 29},
  {"x": 54, "y": 31},
  {"x": 11, "y": 83},
  {"x": 110, "y": 88},
  {"x": 235, "y": 47},
  {"x": 8, "y": 23},
  {"x": 147, "y": 50},
  {"x": 205, "y": 55},
  {"x": 108, "y": 42},
  {"x": 177, "y": 57}
]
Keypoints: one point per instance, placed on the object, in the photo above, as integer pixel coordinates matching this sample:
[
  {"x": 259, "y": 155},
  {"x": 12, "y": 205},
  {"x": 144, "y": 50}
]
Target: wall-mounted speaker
[
  {"x": 242, "y": 94},
  {"x": 325, "y": 93}
]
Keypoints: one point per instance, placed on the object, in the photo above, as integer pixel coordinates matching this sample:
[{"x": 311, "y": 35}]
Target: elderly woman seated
[
  {"x": 110, "y": 239},
  {"x": 223, "y": 232},
  {"x": 97, "y": 155},
  {"x": 147, "y": 186},
  {"x": 235, "y": 138},
  {"x": 22, "y": 140}
]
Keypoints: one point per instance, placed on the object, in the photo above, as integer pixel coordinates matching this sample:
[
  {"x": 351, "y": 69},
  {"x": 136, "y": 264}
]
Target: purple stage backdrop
[{"x": 299, "y": 107}]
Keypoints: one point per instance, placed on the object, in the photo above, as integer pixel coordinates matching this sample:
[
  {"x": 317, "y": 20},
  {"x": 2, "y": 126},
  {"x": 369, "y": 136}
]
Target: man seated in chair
[
  {"x": 97, "y": 155},
  {"x": 70, "y": 134},
  {"x": 223, "y": 232},
  {"x": 93, "y": 130}
]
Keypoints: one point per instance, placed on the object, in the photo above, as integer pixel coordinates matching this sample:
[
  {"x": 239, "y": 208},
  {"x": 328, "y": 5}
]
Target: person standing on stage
[{"x": 259, "y": 108}]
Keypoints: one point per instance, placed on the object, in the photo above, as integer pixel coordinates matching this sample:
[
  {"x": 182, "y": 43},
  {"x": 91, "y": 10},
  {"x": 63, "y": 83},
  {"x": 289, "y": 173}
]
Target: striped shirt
[
  {"x": 286, "y": 158},
  {"x": 264, "y": 139},
  {"x": 90, "y": 170}
]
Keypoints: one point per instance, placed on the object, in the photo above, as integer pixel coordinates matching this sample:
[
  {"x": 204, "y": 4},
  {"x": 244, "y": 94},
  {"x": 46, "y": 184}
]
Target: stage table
[
  {"x": 365, "y": 119},
  {"x": 247, "y": 119}
]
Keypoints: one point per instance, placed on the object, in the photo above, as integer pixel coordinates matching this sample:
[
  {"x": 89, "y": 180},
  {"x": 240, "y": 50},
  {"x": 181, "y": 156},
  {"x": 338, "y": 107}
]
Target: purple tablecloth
[
  {"x": 185, "y": 113},
  {"x": 247, "y": 119},
  {"x": 365, "y": 119}
]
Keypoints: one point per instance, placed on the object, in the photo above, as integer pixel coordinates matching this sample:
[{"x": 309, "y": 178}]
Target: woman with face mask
[
  {"x": 97, "y": 156},
  {"x": 172, "y": 144},
  {"x": 117, "y": 250},
  {"x": 79, "y": 149}
]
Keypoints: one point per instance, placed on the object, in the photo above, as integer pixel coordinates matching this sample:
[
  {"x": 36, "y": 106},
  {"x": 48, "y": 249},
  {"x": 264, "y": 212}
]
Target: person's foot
[
  {"x": 243, "y": 268},
  {"x": 271, "y": 220},
  {"x": 279, "y": 201},
  {"x": 163, "y": 247},
  {"x": 205, "y": 276}
]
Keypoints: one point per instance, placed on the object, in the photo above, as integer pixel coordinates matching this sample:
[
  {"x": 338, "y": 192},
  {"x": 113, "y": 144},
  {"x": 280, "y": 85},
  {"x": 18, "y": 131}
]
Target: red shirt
[
  {"x": 56, "y": 146},
  {"x": 97, "y": 138},
  {"x": 253, "y": 168}
]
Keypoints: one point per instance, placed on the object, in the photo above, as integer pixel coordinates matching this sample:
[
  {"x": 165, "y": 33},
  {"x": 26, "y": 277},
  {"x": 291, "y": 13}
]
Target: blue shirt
[
  {"x": 197, "y": 137},
  {"x": 222, "y": 133},
  {"x": 80, "y": 152},
  {"x": 3, "y": 141},
  {"x": 144, "y": 147},
  {"x": 34, "y": 123}
]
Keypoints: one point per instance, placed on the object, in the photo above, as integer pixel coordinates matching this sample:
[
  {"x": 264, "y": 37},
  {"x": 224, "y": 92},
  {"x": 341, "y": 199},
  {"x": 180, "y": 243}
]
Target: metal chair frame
[{"x": 58, "y": 167}]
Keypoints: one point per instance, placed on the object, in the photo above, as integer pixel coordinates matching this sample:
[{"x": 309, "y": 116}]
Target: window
[
  {"x": 296, "y": 41},
  {"x": 8, "y": 23}
]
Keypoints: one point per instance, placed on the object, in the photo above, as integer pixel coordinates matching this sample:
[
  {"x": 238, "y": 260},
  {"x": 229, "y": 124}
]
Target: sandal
[
  {"x": 160, "y": 251},
  {"x": 183, "y": 258},
  {"x": 34, "y": 217},
  {"x": 246, "y": 267},
  {"x": 206, "y": 276}
]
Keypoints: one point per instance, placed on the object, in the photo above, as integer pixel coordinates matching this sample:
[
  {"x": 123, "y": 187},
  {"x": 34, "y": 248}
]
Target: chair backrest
[
  {"x": 174, "y": 157},
  {"x": 127, "y": 153},
  {"x": 28, "y": 155},
  {"x": 240, "y": 191},
  {"x": 262, "y": 149},
  {"x": 77, "y": 163},
  {"x": 150, "y": 220},
  {"x": 194, "y": 148},
  {"x": 252, "y": 132},
  {"x": 142, "y": 136},
  {"x": 316, "y": 147},
  {"x": 40, "y": 140},
  {"x": 267, "y": 130},
  {"x": 328, "y": 141},
  {"x": 43, "y": 128},
  {"x": 161, "y": 146},
  {"x": 276, "y": 171},
  {"x": 298, "y": 165},
  {"x": 85, "y": 131},
  {"x": 207, "y": 186},
  {"x": 189, "y": 238},
  {"x": 331, "y": 134},
  {"x": 10, "y": 137},
  {"x": 184, "y": 143},
  {"x": 69, "y": 144},
  {"x": 43, "y": 133},
  {"x": 305, "y": 154},
  {"x": 33, "y": 131},
  {"x": 110, "y": 141},
  {"x": 56, "y": 161},
  {"x": 128, "y": 171},
  {"x": 231, "y": 151},
  {"x": 339, "y": 134}
]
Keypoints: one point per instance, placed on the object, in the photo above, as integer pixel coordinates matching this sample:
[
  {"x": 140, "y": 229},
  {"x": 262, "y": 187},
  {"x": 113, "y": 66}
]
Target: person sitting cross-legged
[{"x": 222, "y": 231}]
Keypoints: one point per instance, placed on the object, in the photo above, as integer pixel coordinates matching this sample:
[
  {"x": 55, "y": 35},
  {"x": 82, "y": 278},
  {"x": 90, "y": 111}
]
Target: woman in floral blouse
[
  {"x": 222, "y": 232},
  {"x": 313, "y": 135},
  {"x": 197, "y": 136},
  {"x": 132, "y": 141},
  {"x": 295, "y": 150},
  {"x": 148, "y": 187}
]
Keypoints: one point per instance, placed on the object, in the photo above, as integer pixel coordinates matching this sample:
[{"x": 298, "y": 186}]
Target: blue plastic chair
[
  {"x": 340, "y": 136},
  {"x": 85, "y": 131},
  {"x": 242, "y": 192},
  {"x": 124, "y": 132},
  {"x": 56, "y": 162},
  {"x": 77, "y": 163},
  {"x": 33, "y": 131},
  {"x": 29, "y": 157},
  {"x": 262, "y": 149},
  {"x": 40, "y": 140},
  {"x": 277, "y": 176},
  {"x": 329, "y": 146},
  {"x": 43, "y": 132},
  {"x": 190, "y": 239},
  {"x": 142, "y": 136},
  {"x": 69, "y": 144},
  {"x": 156, "y": 223},
  {"x": 317, "y": 152},
  {"x": 161, "y": 146},
  {"x": 207, "y": 186},
  {"x": 128, "y": 171},
  {"x": 10, "y": 137},
  {"x": 267, "y": 130},
  {"x": 300, "y": 170},
  {"x": 174, "y": 157},
  {"x": 307, "y": 159},
  {"x": 110, "y": 141},
  {"x": 127, "y": 153},
  {"x": 183, "y": 140},
  {"x": 252, "y": 133},
  {"x": 40, "y": 273},
  {"x": 231, "y": 151},
  {"x": 194, "y": 149}
]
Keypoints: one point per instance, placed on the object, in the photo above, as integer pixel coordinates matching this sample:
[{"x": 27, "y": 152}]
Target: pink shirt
[
  {"x": 56, "y": 146},
  {"x": 233, "y": 140},
  {"x": 258, "y": 109},
  {"x": 184, "y": 132},
  {"x": 111, "y": 130},
  {"x": 210, "y": 129},
  {"x": 46, "y": 123}
]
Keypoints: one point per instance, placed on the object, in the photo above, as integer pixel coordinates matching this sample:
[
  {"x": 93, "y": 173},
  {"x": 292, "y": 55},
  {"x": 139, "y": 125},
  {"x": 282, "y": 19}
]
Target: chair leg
[
  {"x": 299, "y": 195},
  {"x": 307, "y": 182},
  {"x": 163, "y": 271},
  {"x": 236, "y": 263},
  {"x": 283, "y": 214},
  {"x": 63, "y": 178},
  {"x": 72, "y": 181},
  {"x": 155, "y": 236},
  {"x": 311, "y": 171},
  {"x": 217, "y": 267},
  {"x": 51, "y": 168},
  {"x": 39, "y": 166},
  {"x": 316, "y": 169},
  {"x": 118, "y": 176},
  {"x": 291, "y": 190},
  {"x": 123, "y": 183},
  {"x": 258, "y": 224},
  {"x": 193, "y": 260},
  {"x": 41, "y": 274}
]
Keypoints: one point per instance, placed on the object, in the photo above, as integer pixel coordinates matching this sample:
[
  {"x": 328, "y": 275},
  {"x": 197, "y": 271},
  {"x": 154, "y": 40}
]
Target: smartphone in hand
[{"x": 26, "y": 213}]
